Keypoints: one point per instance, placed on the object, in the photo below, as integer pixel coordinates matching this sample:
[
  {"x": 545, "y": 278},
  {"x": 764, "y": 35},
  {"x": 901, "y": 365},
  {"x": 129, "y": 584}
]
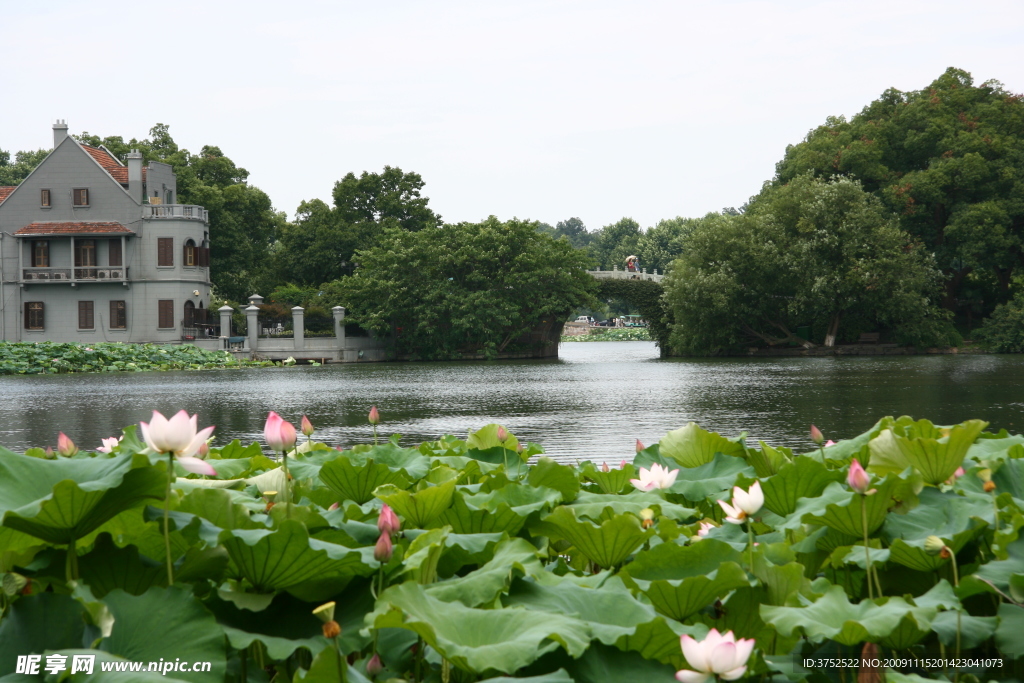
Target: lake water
[{"x": 591, "y": 403}]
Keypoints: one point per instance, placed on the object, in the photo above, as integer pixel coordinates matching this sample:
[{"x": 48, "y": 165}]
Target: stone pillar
[
  {"x": 252, "y": 323},
  {"x": 299, "y": 327},
  {"x": 339, "y": 325},
  {"x": 255, "y": 300},
  {"x": 225, "y": 324}
]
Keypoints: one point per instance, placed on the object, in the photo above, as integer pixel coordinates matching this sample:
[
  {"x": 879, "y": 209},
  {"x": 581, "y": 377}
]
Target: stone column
[
  {"x": 225, "y": 324},
  {"x": 339, "y": 325},
  {"x": 252, "y": 323},
  {"x": 299, "y": 327}
]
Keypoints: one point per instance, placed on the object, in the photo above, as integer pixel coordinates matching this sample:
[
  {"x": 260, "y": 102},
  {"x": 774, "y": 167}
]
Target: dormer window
[
  {"x": 80, "y": 197},
  {"x": 44, "y": 199}
]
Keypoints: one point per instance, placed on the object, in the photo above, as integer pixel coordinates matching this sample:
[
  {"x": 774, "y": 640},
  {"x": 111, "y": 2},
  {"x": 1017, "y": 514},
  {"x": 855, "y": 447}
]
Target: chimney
[
  {"x": 60, "y": 131},
  {"x": 135, "y": 189}
]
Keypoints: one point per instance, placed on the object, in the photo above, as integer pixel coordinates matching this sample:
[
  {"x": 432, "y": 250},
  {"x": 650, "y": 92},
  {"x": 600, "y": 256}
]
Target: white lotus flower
[
  {"x": 109, "y": 444},
  {"x": 705, "y": 528},
  {"x": 657, "y": 477},
  {"x": 179, "y": 437},
  {"x": 744, "y": 503},
  {"x": 717, "y": 655}
]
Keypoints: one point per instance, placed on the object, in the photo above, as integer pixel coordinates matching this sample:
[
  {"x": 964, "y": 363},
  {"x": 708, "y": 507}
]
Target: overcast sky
[{"x": 541, "y": 110}]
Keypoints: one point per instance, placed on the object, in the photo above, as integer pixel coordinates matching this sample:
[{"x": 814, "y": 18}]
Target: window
[
  {"x": 118, "y": 319},
  {"x": 114, "y": 252},
  {"x": 85, "y": 253},
  {"x": 80, "y": 197},
  {"x": 165, "y": 310},
  {"x": 190, "y": 253},
  {"x": 40, "y": 254},
  {"x": 33, "y": 315},
  {"x": 44, "y": 198},
  {"x": 85, "y": 315},
  {"x": 168, "y": 197},
  {"x": 165, "y": 251}
]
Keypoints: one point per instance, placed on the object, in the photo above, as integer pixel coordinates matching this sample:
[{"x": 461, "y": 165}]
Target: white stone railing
[
  {"x": 616, "y": 274},
  {"x": 186, "y": 211}
]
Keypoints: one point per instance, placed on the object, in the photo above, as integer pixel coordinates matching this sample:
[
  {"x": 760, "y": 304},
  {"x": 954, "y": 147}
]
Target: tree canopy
[{"x": 447, "y": 290}]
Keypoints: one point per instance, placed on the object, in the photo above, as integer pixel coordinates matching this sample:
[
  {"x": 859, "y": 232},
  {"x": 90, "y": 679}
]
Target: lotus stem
[
  {"x": 956, "y": 584},
  {"x": 342, "y": 663},
  {"x": 167, "y": 519},
  {"x": 71, "y": 565},
  {"x": 867, "y": 551},
  {"x": 287, "y": 484},
  {"x": 374, "y": 434},
  {"x": 750, "y": 544}
]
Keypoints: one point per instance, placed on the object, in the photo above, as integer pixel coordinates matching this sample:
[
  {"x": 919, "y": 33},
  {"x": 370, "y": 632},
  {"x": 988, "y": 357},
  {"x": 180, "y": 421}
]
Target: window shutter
[
  {"x": 114, "y": 252},
  {"x": 117, "y": 315},
  {"x": 165, "y": 313},
  {"x": 165, "y": 251},
  {"x": 28, "y": 317},
  {"x": 184, "y": 254},
  {"x": 85, "y": 315}
]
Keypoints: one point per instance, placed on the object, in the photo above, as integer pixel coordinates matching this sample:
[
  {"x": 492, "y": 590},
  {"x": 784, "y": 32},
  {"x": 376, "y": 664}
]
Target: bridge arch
[{"x": 645, "y": 295}]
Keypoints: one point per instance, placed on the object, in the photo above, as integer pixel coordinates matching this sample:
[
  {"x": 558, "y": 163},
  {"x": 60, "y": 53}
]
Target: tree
[
  {"x": 466, "y": 288},
  {"x": 25, "y": 162},
  {"x": 818, "y": 253},
  {"x": 660, "y": 245},
  {"x": 613, "y": 243},
  {"x": 321, "y": 244},
  {"x": 949, "y": 160}
]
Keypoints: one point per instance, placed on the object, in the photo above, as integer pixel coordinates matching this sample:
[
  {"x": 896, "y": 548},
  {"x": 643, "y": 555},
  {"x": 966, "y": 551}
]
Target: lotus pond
[{"x": 459, "y": 561}]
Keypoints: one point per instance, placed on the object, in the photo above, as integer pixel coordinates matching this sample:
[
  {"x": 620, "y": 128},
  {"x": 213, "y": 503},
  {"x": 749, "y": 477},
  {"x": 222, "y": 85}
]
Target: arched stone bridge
[{"x": 616, "y": 274}]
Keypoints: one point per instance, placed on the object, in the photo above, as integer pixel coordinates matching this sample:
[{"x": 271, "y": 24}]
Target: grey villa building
[{"x": 93, "y": 250}]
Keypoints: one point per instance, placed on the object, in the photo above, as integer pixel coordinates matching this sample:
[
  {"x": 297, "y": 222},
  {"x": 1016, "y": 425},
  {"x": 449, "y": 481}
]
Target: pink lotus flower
[
  {"x": 66, "y": 446},
  {"x": 622, "y": 464},
  {"x": 816, "y": 435},
  {"x": 956, "y": 475},
  {"x": 279, "y": 433},
  {"x": 384, "y": 549},
  {"x": 109, "y": 445},
  {"x": 334, "y": 506},
  {"x": 639, "y": 445},
  {"x": 657, "y": 477},
  {"x": 306, "y": 426},
  {"x": 718, "y": 655},
  {"x": 374, "y": 416},
  {"x": 705, "y": 528},
  {"x": 502, "y": 434},
  {"x": 178, "y": 436},
  {"x": 744, "y": 503},
  {"x": 388, "y": 522},
  {"x": 374, "y": 666},
  {"x": 605, "y": 468},
  {"x": 857, "y": 478},
  {"x": 830, "y": 443}
]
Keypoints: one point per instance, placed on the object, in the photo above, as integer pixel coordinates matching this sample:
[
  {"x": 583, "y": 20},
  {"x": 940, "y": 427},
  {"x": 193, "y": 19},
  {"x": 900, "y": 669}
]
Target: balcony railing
[
  {"x": 74, "y": 274},
  {"x": 191, "y": 331},
  {"x": 186, "y": 211}
]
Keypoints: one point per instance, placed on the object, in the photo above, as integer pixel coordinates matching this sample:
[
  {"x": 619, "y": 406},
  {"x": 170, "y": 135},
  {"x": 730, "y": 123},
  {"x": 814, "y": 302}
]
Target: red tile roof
[
  {"x": 5, "y": 192},
  {"x": 78, "y": 228},
  {"x": 110, "y": 164}
]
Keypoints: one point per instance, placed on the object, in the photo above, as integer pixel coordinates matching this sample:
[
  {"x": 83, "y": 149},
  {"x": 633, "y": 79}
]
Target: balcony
[
  {"x": 63, "y": 275},
  {"x": 176, "y": 211}
]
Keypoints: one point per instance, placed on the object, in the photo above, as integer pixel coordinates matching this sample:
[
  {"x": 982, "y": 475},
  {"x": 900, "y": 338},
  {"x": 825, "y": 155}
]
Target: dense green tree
[
  {"x": 321, "y": 244},
  {"x": 613, "y": 243},
  {"x": 471, "y": 287},
  {"x": 663, "y": 243},
  {"x": 949, "y": 160},
  {"x": 814, "y": 252},
  {"x": 572, "y": 229},
  {"x": 25, "y": 162}
]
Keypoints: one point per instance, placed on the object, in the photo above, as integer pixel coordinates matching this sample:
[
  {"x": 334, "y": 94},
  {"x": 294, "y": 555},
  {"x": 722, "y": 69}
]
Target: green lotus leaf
[
  {"x": 833, "y": 617},
  {"x": 682, "y": 580},
  {"x": 560, "y": 676},
  {"x": 523, "y": 500},
  {"x": 601, "y": 506},
  {"x": 287, "y": 556},
  {"x": 973, "y": 630},
  {"x": 659, "y": 640},
  {"x": 608, "y": 545},
  {"x": 409, "y": 461},
  {"x": 478, "y": 640},
  {"x": 421, "y": 508},
  {"x": 605, "y": 664},
  {"x": 997, "y": 574},
  {"x": 45, "y": 621},
  {"x": 512, "y": 557},
  {"x": 107, "y": 567},
  {"x": 358, "y": 482},
  {"x": 487, "y": 438},
  {"x": 956, "y": 519},
  {"x": 768, "y": 461},
  {"x": 615, "y": 480},
  {"x": 165, "y": 623},
  {"x": 995, "y": 449},
  {"x": 218, "y": 507},
  {"x": 326, "y": 668},
  {"x": 780, "y": 580},
  {"x": 464, "y": 519},
  {"x": 424, "y": 554},
  {"x": 712, "y": 478},
  {"x": 846, "y": 515},
  {"x": 800, "y": 479},
  {"x": 62, "y": 500},
  {"x": 934, "y": 452},
  {"x": 691, "y": 446},
  {"x": 562, "y": 478},
  {"x": 1010, "y": 632}
]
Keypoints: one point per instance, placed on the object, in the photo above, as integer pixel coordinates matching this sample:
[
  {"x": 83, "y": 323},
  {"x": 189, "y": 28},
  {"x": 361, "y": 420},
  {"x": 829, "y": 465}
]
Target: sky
[{"x": 536, "y": 110}]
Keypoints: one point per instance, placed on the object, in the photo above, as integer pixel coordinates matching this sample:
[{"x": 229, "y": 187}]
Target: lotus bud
[
  {"x": 502, "y": 435},
  {"x": 519, "y": 447},
  {"x": 816, "y": 435},
  {"x": 383, "y": 550},
  {"x": 374, "y": 416},
  {"x": 622, "y": 464},
  {"x": 204, "y": 450},
  {"x": 857, "y": 478},
  {"x": 325, "y": 612},
  {"x": 647, "y": 518},
  {"x": 334, "y": 506},
  {"x": 933, "y": 545},
  {"x": 306, "y": 426},
  {"x": 605, "y": 468},
  {"x": 388, "y": 522},
  {"x": 639, "y": 445},
  {"x": 49, "y": 453},
  {"x": 66, "y": 446},
  {"x": 374, "y": 666}
]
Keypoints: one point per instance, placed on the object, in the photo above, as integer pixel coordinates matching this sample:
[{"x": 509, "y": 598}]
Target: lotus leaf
[
  {"x": 598, "y": 507},
  {"x": 546, "y": 472},
  {"x": 615, "y": 480},
  {"x": 768, "y": 460},
  {"x": 607, "y": 545},
  {"x": 691, "y": 446},
  {"x": 973, "y": 630},
  {"x": 934, "y": 452},
  {"x": 846, "y": 517},
  {"x": 487, "y": 438},
  {"x": 954, "y": 518},
  {"x": 478, "y": 640},
  {"x": 47, "y": 621},
  {"x": 421, "y": 508},
  {"x": 800, "y": 479},
  {"x": 464, "y": 519}
]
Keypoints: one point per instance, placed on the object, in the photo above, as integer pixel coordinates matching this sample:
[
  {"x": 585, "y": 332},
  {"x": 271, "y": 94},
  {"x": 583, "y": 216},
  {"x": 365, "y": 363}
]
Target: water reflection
[{"x": 593, "y": 402}]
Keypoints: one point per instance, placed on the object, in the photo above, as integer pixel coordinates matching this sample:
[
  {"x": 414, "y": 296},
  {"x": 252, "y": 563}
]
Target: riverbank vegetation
[
  {"x": 479, "y": 559},
  {"x": 610, "y": 334},
  {"x": 41, "y": 358}
]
